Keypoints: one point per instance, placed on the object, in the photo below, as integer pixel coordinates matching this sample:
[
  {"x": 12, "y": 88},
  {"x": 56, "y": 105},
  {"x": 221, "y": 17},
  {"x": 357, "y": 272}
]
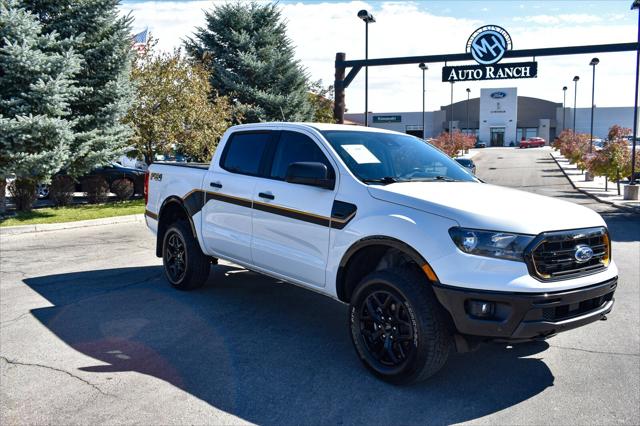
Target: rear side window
[
  {"x": 293, "y": 148},
  {"x": 244, "y": 152}
]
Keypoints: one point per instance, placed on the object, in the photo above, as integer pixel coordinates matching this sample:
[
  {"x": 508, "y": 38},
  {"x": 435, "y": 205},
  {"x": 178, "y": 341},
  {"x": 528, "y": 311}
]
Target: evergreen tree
[
  {"x": 36, "y": 89},
  {"x": 251, "y": 60},
  {"x": 103, "y": 38}
]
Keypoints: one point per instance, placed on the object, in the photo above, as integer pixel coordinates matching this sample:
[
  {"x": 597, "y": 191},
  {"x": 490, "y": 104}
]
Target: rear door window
[{"x": 244, "y": 152}]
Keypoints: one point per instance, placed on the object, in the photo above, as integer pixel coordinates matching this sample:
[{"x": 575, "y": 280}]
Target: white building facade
[{"x": 499, "y": 117}]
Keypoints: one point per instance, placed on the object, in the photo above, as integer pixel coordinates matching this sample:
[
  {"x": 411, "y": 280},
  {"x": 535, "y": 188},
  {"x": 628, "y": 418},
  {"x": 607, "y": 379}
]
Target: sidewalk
[
  {"x": 594, "y": 189},
  {"x": 27, "y": 229}
]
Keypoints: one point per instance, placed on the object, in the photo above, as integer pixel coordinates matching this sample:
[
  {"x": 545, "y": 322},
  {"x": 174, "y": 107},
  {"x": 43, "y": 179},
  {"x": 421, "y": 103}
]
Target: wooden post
[{"x": 338, "y": 99}]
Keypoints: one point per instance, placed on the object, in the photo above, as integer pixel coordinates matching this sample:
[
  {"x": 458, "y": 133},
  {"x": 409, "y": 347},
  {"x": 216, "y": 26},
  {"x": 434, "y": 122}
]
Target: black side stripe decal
[{"x": 341, "y": 212}]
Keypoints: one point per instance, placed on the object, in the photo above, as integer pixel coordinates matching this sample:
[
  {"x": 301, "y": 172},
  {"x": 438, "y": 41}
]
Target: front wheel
[
  {"x": 398, "y": 328},
  {"x": 185, "y": 266}
]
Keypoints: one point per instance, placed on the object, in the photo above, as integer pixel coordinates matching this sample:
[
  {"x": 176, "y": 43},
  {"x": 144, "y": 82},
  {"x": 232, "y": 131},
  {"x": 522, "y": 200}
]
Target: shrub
[
  {"x": 454, "y": 143},
  {"x": 61, "y": 190},
  {"x": 123, "y": 188},
  {"x": 97, "y": 189},
  {"x": 24, "y": 193}
]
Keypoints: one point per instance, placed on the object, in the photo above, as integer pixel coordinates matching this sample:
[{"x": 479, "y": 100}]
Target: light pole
[
  {"x": 564, "y": 106},
  {"x": 368, "y": 19},
  {"x": 424, "y": 68},
  {"x": 635, "y": 5},
  {"x": 575, "y": 98},
  {"x": 451, "y": 120},
  {"x": 468, "y": 93},
  {"x": 593, "y": 63}
]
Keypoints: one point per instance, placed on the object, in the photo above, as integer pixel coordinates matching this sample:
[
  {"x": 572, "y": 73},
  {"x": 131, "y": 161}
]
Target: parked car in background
[
  {"x": 532, "y": 142},
  {"x": 111, "y": 172},
  {"x": 468, "y": 163},
  {"x": 598, "y": 144},
  {"x": 480, "y": 145}
]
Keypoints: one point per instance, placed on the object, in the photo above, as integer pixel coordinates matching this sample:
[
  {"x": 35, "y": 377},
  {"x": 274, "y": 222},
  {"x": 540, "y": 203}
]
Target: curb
[
  {"x": 46, "y": 227},
  {"x": 588, "y": 194}
]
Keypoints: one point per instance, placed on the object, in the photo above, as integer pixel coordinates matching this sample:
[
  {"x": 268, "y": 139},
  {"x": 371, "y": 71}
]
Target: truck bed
[{"x": 204, "y": 166}]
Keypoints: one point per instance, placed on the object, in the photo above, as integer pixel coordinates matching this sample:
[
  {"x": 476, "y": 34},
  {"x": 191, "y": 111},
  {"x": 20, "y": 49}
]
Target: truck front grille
[{"x": 553, "y": 256}]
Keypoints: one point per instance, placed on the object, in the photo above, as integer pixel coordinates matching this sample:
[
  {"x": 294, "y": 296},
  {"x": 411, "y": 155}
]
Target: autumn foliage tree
[
  {"x": 613, "y": 161},
  {"x": 453, "y": 144},
  {"x": 175, "y": 111},
  {"x": 574, "y": 147}
]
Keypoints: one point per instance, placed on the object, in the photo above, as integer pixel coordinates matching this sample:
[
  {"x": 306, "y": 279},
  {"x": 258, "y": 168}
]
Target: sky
[{"x": 319, "y": 29}]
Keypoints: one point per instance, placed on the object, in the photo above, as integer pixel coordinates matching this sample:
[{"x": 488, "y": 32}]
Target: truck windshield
[{"x": 383, "y": 158}]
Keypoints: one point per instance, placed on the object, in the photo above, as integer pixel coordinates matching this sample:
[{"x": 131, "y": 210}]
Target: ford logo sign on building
[
  {"x": 498, "y": 95},
  {"x": 583, "y": 253}
]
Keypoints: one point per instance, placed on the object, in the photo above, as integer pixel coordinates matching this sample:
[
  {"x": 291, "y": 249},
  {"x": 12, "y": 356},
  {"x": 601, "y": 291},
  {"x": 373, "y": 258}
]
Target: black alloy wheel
[
  {"x": 386, "y": 329},
  {"x": 175, "y": 257}
]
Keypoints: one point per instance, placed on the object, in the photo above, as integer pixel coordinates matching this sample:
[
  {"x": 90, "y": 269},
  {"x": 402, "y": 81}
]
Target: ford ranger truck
[{"x": 429, "y": 258}]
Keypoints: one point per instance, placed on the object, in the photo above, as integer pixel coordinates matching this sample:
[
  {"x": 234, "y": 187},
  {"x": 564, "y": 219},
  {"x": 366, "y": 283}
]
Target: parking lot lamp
[
  {"x": 564, "y": 106},
  {"x": 468, "y": 93},
  {"x": 635, "y": 5},
  {"x": 593, "y": 63},
  {"x": 368, "y": 19},
  {"x": 424, "y": 68},
  {"x": 575, "y": 98}
]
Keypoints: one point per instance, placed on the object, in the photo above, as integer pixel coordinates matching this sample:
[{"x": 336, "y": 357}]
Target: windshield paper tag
[{"x": 361, "y": 154}]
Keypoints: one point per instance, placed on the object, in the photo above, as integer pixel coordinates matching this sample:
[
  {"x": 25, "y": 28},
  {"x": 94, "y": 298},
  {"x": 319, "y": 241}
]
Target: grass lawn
[{"x": 73, "y": 213}]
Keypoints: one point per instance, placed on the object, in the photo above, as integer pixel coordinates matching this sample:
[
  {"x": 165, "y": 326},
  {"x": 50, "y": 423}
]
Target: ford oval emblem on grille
[{"x": 583, "y": 253}]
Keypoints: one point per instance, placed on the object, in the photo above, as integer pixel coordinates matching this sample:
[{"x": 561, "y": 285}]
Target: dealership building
[{"x": 499, "y": 117}]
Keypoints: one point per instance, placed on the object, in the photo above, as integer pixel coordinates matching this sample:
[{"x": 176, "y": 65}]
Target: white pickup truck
[{"x": 427, "y": 256}]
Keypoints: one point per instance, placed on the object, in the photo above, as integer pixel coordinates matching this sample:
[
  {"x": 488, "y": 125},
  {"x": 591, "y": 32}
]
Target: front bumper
[{"x": 527, "y": 316}]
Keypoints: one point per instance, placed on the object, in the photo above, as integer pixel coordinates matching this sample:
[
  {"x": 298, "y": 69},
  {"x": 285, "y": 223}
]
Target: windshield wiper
[
  {"x": 385, "y": 180},
  {"x": 439, "y": 178}
]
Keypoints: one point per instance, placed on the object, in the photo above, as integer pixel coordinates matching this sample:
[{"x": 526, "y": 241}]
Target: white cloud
[
  {"x": 319, "y": 30},
  {"x": 581, "y": 18}
]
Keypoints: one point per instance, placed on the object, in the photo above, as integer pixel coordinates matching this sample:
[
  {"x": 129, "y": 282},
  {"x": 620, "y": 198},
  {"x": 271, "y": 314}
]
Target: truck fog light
[{"x": 481, "y": 309}]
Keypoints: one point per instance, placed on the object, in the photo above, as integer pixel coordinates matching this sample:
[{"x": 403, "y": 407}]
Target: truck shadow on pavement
[{"x": 266, "y": 351}]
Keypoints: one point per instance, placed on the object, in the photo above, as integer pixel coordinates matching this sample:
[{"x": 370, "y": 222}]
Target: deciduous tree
[{"x": 175, "y": 110}]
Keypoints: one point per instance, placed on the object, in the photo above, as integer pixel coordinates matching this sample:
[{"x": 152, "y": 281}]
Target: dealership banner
[{"x": 490, "y": 72}]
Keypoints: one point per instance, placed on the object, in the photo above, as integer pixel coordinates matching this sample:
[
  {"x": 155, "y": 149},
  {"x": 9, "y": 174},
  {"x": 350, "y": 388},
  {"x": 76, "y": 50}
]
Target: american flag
[{"x": 140, "y": 40}]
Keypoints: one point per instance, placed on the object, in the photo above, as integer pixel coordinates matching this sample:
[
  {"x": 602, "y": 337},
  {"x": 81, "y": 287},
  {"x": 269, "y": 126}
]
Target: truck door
[
  {"x": 229, "y": 188},
  {"x": 291, "y": 221}
]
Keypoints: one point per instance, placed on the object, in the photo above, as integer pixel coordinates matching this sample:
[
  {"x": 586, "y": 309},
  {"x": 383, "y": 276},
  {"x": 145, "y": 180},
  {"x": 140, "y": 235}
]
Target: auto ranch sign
[{"x": 487, "y": 46}]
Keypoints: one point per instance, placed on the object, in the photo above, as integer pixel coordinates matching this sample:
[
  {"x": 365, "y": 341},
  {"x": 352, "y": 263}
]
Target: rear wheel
[
  {"x": 185, "y": 266},
  {"x": 398, "y": 328}
]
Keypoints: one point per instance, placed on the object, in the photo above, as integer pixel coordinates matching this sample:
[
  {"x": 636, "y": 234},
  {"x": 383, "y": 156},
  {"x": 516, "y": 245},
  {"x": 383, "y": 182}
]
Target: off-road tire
[
  {"x": 196, "y": 265},
  {"x": 431, "y": 343}
]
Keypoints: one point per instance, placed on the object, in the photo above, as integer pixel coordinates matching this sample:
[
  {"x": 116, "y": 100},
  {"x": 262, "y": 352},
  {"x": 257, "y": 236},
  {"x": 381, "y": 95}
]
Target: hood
[{"x": 484, "y": 206}]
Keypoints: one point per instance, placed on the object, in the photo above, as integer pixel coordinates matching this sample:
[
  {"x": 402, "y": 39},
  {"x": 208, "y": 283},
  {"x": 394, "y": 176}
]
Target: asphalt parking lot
[{"x": 90, "y": 332}]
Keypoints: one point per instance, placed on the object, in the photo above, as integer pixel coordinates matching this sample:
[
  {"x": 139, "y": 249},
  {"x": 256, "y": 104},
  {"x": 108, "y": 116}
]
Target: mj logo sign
[{"x": 488, "y": 44}]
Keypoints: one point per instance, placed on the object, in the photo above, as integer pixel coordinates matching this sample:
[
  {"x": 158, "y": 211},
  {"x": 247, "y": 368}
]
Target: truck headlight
[{"x": 504, "y": 245}]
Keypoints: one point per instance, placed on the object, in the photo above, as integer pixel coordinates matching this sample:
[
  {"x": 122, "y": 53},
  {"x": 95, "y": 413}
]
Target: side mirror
[{"x": 307, "y": 173}]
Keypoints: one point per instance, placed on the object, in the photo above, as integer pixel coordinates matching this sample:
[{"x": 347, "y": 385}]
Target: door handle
[
  {"x": 215, "y": 184},
  {"x": 267, "y": 196}
]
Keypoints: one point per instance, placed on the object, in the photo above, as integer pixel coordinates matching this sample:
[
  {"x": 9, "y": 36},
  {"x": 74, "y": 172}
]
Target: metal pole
[
  {"x": 424, "y": 93},
  {"x": 468, "y": 130},
  {"x": 635, "y": 112},
  {"x": 575, "y": 98},
  {"x": 451, "y": 120},
  {"x": 564, "y": 108},
  {"x": 338, "y": 103},
  {"x": 366, "y": 75},
  {"x": 593, "y": 91}
]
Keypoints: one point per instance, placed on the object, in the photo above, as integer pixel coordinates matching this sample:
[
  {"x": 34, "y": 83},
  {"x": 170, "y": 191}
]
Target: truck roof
[{"x": 316, "y": 126}]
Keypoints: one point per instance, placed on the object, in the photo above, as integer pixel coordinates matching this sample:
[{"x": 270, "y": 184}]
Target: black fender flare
[
  {"x": 341, "y": 285},
  {"x": 173, "y": 199}
]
